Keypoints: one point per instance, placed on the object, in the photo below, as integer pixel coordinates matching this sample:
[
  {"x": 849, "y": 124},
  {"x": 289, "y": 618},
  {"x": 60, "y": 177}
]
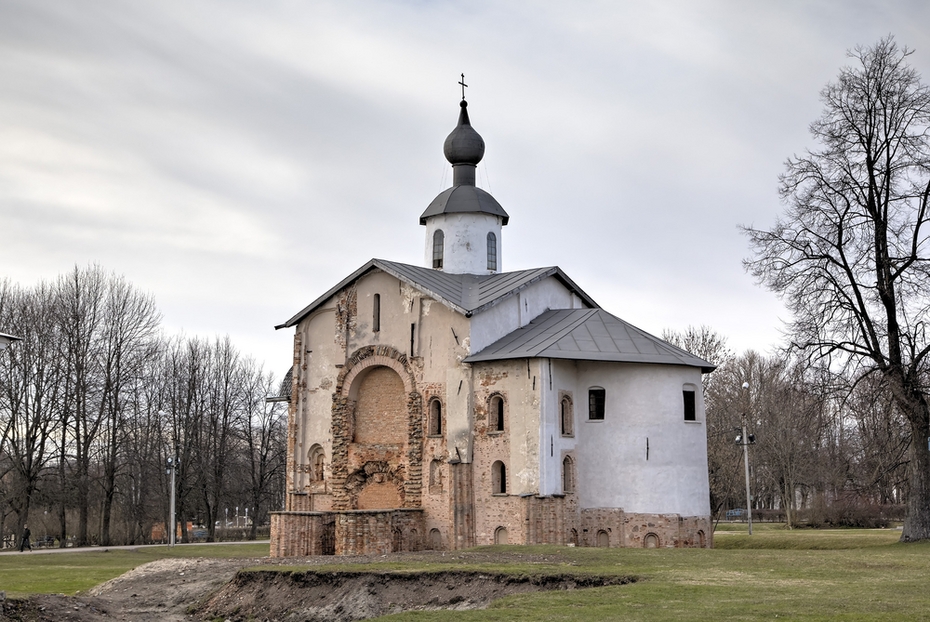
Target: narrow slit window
[
  {"x": 438, "y": 239},
  {"x": 689, "y": 404},
  {"x": 497, "y": 413},
  {"x": 376, "y": 313},
  {"x": 492, "y": 251},
  {"x": 568, "y": 475},
  {"x": 499, "y": 478},
  {"x": 597, "y": 400},
  {"x": 435, "y": 418},
  {"x": 566, "y": 416}
]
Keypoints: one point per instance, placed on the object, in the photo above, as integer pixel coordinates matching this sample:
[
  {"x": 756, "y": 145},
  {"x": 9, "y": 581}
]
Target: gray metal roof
[
  {"x": 586, "y": 335},
  {"x": 464, "y": 199},
  {"x": 466, "y": 293}
]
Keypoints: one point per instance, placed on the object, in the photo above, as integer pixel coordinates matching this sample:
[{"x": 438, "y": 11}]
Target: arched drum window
[
  {"x": 438, "y": 239},
  {"x": 492, "y": 251}
]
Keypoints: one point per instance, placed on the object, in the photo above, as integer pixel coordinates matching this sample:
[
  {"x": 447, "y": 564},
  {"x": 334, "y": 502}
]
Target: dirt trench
[{"x": 346, "y": 596}]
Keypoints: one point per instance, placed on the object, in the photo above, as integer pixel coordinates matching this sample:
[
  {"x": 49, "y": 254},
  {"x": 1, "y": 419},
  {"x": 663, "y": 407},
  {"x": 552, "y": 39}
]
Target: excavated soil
[
  {"x": 343, "y": 596},
  {"x": 176, "y": 590}
]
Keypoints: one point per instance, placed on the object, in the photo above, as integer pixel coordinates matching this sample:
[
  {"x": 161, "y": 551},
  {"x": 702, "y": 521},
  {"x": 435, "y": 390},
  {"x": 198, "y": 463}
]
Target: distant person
[{"x": 25, "y": 543}]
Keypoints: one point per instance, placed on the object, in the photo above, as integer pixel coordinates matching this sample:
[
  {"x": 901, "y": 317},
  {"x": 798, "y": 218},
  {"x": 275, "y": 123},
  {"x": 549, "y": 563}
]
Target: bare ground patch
[{"x": 346, "y": 596}]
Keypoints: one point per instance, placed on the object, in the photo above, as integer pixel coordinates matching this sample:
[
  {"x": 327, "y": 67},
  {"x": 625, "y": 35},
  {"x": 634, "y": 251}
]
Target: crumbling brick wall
[{"x": 365, "y": 453}]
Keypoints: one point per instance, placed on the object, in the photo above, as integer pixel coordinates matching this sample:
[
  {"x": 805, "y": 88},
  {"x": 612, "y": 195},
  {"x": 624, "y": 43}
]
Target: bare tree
[
  {"x": 262, "y": 428},
  {"x": 31, "y": 387},
  {"x": 878, "y": 441},
  {"x": 223, "y": 397},
  {"x": 129, "y": 328},
  {"x": 81, "y": 298},
  {"x": 94, "y": 399},
  {"x": 850, "y": 257},
  {"x": 789, "y": 412}
]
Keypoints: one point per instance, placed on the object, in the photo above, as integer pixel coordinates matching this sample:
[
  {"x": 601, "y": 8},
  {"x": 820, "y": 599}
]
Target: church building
[{"x": 454, "y": 404}]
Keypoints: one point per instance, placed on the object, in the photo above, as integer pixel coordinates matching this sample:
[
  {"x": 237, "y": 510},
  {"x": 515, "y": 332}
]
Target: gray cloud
[{"x": 237, "y": 159}]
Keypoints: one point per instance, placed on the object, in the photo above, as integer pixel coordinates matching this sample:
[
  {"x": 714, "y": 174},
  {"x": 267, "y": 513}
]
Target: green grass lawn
[
  {"x": 775, "y": 573},
  {"x": 67, "y": 573},
  {"x": 801, "y": 574}
]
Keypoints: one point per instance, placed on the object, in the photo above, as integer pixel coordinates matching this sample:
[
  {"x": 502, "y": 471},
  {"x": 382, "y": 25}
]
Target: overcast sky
[{"x": 238, "y": 159}]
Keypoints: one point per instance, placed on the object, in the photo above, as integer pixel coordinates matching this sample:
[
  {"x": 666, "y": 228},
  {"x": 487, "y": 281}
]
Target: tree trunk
[
  {"x": 788, "y": 497},
  {"x": 917, "y": 521},
  {"x": 107, "y": 515}
]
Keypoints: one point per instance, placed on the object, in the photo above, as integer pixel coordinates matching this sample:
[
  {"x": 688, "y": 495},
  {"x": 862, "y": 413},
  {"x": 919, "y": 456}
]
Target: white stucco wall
[
  {"x": 519, "y": 310},
  {"x": 558, "y": 377},
  {"x": 642, "y": 402},
  {"x": 465, "y": 248}
]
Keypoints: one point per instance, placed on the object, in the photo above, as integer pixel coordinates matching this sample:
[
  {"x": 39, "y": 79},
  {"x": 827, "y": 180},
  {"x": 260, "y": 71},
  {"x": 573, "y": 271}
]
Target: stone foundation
[
  {"x": 351, "y": 532},
  {"x": 531, "y": 520},
  {"x": 634, "y": 530}
]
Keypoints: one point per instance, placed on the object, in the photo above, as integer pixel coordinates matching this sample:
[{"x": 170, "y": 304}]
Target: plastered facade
[{"x": 362, "y": 393}]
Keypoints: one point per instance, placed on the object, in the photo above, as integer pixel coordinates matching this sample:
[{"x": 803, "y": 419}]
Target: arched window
[
  {"x": 376, "y": 313},
  {"x": 500, "y": 536},
  {"x": 651, "y": 541},
  {"x": 492, "y": 251},
  {"x": 496, "y": 413},
  {"x": 437, "y": 249},
  {"x": 316, "y": 459},
  {"x": 434, "y": 425},
  {"x": 568, "y": 475},
  {"x": 435, "y": 477},
  {"x": 566, "y": 416},
  {"x": 690, "y": 403},
  {"x": 498, "y": 478},
  {"x": 435, "y": 539},
  {"x": 597, "y": 402},
  {"x": 603, "y": 539}
]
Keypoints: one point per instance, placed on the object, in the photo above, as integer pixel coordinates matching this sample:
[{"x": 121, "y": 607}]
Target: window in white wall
[
  {"x": 438, "y": 239},
  {"x": 597, "y": 402},
  {"x": 568, "y": 475},
  {"x": 492, "y": 251},
  {"x": 566, "y": 415},
  {"x": 690, "y": 404}
]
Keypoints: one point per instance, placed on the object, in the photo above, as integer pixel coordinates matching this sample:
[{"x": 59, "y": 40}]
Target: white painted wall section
[{"x": 465, "y": 242}]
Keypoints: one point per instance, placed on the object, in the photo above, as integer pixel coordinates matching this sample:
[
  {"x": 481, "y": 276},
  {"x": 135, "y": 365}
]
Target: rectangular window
[
  {"x": 596, "y": 401},
  {"x": 690, "y": 412}
]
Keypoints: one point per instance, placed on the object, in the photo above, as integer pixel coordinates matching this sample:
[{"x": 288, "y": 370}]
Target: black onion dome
[{"x": 464, "y": 145}]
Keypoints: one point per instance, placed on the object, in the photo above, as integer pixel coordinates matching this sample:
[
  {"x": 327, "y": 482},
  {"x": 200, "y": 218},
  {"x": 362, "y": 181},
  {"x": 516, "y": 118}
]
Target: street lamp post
[
  {"x": 173, "y": 464},
  {"x": 171, "y": 467}
]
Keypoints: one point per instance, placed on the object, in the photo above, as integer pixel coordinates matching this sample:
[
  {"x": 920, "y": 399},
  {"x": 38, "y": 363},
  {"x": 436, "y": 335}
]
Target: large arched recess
[{"x": 376, "y": 366}]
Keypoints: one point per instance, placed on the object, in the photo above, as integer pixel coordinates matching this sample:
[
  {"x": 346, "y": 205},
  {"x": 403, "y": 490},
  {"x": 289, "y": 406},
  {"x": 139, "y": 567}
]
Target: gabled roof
[
  {"x": 466, "y": 293},
  {"x": 586, "y": 335}
]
